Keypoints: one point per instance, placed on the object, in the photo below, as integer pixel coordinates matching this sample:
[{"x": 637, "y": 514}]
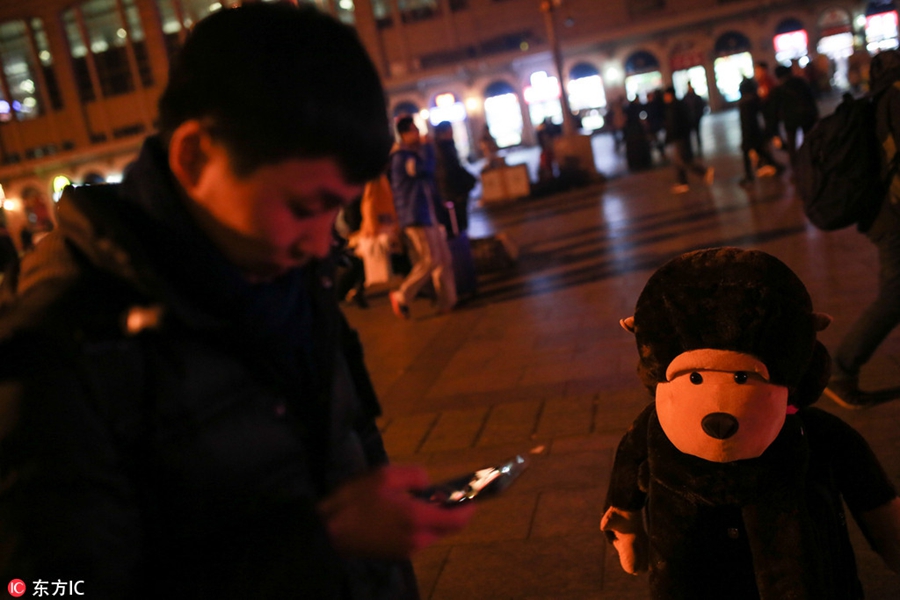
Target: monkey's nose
[{"x": 719, "y": 425}]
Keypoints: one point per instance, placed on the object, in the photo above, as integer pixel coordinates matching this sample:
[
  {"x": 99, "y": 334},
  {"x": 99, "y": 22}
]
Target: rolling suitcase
[
  {"x": 463, "y": 265},
  {"x": 461, "y": 252}
]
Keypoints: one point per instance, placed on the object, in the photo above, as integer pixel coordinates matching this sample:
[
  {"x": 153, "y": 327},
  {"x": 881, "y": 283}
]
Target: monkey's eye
[
  {"x": 696, "y": 378},
  {"x": 741, "y": 377}
]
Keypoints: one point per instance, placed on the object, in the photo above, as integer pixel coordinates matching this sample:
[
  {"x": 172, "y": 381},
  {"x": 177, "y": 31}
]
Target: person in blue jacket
[
  {"x": 184, "y": 410},
  {"x": 416, "y": 200}
]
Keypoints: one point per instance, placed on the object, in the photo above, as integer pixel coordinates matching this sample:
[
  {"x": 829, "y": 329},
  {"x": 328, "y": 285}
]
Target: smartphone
[{"x": 483, "y": 483}]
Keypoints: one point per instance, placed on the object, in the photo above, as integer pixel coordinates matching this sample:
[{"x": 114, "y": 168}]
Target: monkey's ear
[
  {"x": 821, "y": 320},
  {"x": 627, "y": 324}
]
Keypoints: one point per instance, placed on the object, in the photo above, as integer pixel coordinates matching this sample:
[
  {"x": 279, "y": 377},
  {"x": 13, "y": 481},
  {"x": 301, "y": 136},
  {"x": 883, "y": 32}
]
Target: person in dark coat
[
  {"x": 454, "y": 182},
  {"x": 696, "y": 106},
  {"x": 793, "y": 104},
  {"x": 883, "y": 315},
  {"x": 677, "y": 123},
  {"x": 186, "y": 412},
  {"x": 753, "y": 139},
  {"x": 656, "y": 120},
  {"x": 637, "y": 142}
]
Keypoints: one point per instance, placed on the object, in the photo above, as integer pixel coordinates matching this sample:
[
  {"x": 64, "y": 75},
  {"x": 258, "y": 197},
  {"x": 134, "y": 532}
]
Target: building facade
[{"x": 80, "y": 78}]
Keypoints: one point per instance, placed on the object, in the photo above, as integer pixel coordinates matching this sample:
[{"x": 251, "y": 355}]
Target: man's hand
[{"x": 375, "y": 516}]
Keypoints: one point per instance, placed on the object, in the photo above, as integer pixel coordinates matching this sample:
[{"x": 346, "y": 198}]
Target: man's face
[
  {"x": 411, "y": 137},
  {"x": 275, "y": 219}
]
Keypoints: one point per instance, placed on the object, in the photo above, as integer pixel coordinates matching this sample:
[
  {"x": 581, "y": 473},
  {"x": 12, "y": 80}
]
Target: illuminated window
[
  {"x": 108, "y": 38},
  {"x": 881, "y": 32},
  {"x": 503, "y": 114},
  {"x": 585, "y": 88},
  {"x": 45, "y": 58},
  {"x": 180, "y": 15},
  {"x": 417, "y": 10},
  {"x": 20, "y": 68},
  {"x": 542, "y": 98}
]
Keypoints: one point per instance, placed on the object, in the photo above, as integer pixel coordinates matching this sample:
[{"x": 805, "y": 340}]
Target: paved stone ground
[{"x": 537, "y": 361}]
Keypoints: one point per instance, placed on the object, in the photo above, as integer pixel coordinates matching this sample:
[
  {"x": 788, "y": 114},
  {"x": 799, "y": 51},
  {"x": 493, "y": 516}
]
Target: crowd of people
[{"x": 774, "y": 108}]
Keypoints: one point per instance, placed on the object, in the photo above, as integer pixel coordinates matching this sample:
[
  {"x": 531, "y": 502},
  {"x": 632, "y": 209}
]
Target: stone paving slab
[{"x": 515, "y": 569}]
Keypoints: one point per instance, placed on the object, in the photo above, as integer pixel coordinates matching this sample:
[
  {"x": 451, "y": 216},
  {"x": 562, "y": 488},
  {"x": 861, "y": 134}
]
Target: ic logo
[{"x": 16, "y": 588}]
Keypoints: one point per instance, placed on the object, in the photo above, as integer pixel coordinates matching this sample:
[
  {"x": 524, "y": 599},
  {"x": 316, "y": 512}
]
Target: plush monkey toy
[{"x": 729, "y": 486}]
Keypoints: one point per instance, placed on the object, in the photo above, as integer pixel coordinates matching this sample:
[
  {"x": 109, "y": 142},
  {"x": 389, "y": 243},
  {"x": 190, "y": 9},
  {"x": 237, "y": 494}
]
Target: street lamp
[
  {"x": 548, "y": 7},
  {"x": 573, "y": 150}
]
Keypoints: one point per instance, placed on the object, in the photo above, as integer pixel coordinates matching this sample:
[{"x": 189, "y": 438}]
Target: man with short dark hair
[
  {"x": 184, "y": 411},
  {"x": 415, "y": 198}
]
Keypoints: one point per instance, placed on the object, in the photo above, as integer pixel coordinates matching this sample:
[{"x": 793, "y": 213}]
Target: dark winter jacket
[
  {"x": 884, "y": 73},
  {"x": 677, "y": 121},
  {"x": 792, "y": 102},
  {"x": 749, "y": 108},
  {"x": 768, "y": 528},
  {"x": 413, "y": 183},
  {"x": 167, "y": 428}
]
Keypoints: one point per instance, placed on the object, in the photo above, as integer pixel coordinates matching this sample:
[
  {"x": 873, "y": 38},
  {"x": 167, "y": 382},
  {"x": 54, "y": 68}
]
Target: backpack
[{"x": 838, "y": 168}]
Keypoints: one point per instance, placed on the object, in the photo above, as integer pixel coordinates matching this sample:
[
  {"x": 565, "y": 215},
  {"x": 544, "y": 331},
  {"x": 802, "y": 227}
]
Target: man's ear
[{"x": 188, "y": 153}]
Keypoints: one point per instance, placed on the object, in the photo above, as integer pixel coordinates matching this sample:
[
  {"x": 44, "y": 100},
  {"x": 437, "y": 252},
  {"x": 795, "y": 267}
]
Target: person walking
[
  {"x": 636, "y": 136},
  {"x": 186, "y": 411},
  {"x": 696, "y": 107},
  {"x": 793, "y": 104},
  {"x": 882, "y": 316},
  {"x": 415, "y": 199},
  {"x": 678, "y": 144},
  {"x": 754, "y": 145}
]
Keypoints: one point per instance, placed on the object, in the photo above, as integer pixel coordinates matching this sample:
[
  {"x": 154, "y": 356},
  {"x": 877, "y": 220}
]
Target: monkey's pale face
[{"x": 719, "y": 405}]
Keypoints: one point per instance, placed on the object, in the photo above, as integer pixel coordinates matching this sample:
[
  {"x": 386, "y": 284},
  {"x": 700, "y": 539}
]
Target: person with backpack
[
  {"x": 186, "y": 413},
  {"x": 882, "y": 316}
]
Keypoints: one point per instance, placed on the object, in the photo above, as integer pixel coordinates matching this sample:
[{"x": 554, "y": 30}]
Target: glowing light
[
  {"x": 881, "y": 32},
  {"x": 542, "y": 88},
  {"x": 443, "y": 100},
  {"x": 12, "y": 205},
  {"x": 215, "y": 6},
  {"x": 789, "y": 46},
  {"x": 346, "y": 4},
  {"x": 586, "y": 92},
  {"x": 424, "y": 114},
  {"x": 614, "y": 75},
  {"x": 454, "y": 112},
  {"x": 58, "y": 185},
  {"x": 27, "y": 86},
  {"x": 122, "y": 33},
  {"x": 44, "y": 56}
]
